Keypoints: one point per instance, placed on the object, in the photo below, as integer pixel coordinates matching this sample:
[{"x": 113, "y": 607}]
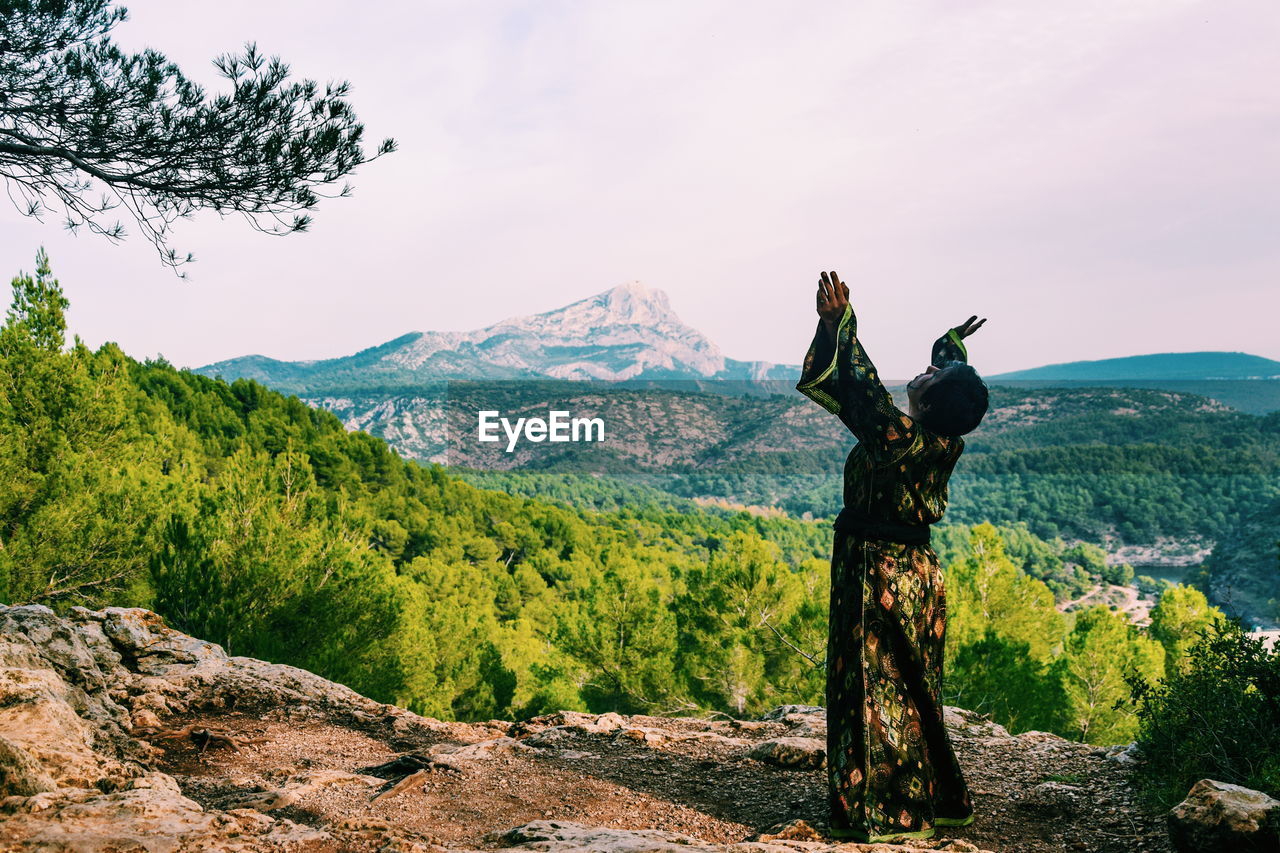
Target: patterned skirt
[{"x": 891, "y": 769}]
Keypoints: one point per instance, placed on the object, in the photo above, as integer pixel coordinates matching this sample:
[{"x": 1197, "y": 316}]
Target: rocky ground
[{"x": 119, "y": 734}]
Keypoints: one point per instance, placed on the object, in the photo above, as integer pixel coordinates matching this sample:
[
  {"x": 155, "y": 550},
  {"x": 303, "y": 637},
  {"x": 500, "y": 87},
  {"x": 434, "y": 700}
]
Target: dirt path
[
  {"x": 1033, "y": 793},
  {"x": 1134, "y": 605}
]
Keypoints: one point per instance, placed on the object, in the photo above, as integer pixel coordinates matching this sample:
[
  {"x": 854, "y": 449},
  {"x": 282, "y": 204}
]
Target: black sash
[{"x": 859, "y": 525}]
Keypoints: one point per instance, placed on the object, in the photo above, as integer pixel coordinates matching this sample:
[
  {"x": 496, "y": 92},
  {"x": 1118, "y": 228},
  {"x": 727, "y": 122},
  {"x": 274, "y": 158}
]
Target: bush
[{"x": 1218, "y": 718}]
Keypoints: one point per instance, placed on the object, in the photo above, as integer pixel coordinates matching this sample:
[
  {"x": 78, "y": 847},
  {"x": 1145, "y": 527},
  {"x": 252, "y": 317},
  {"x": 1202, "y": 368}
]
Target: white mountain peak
[
  {"x": 637, "y": 302},
  {"x": 632, "y": 320},
  {"x": 630, "y": 304}
]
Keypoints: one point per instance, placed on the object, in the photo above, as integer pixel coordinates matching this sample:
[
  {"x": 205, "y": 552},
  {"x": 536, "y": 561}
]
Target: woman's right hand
[{"x": 833, "y": 299}]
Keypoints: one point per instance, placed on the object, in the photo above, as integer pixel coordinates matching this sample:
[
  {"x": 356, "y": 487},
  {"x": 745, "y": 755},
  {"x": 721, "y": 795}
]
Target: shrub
[{"x": 1218, "y": 717}]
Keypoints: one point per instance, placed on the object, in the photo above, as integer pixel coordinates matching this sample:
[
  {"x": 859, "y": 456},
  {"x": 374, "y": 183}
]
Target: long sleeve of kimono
[
  {"x": 948, "y": 348},
  {"x": 839, "y": 376}
]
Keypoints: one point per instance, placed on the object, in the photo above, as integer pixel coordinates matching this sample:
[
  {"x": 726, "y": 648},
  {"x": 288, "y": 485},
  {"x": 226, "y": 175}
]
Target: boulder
[
  {"x": 1123, "y": 753},
  {"x": 792, "y": 830},
  {"x": 106, "y": 665},
  {"x": 784, "y": 711},
  {"x": 791, "y": 752},
  {"x": 1056, "y": 798},
  {"x": 802, "y": 720},
  {"x": 79, "y": 693},
  {"x": 970, "y": 724},
  {"x": 1220, "y": 816},
  {"x": 570, "y": 721},
  {"x": 556, "y": 836},
  {"x": 150, "y": 815}
]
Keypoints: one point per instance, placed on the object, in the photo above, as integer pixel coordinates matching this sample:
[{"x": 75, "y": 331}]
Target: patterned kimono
[{"x": 891, "y": 770}]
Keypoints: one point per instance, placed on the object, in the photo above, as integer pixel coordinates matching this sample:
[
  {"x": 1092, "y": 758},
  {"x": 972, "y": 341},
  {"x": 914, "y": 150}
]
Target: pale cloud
[{"x": 1088, "y": 175}]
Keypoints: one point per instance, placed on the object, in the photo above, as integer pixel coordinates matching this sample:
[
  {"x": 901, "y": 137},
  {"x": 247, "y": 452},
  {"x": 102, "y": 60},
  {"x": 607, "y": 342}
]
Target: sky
[{"x": 1098, "y": 179}]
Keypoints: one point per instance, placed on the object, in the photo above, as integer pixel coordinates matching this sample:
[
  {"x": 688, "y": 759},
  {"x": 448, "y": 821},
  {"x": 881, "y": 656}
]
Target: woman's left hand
[{"x": 968, "y": 327}]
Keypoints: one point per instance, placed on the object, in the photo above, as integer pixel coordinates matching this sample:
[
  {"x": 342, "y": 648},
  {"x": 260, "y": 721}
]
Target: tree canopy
[{"x": 87, "y": 128}]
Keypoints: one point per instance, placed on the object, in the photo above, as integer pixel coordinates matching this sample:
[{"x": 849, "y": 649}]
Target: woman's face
[{"x": 916, "y": 388}]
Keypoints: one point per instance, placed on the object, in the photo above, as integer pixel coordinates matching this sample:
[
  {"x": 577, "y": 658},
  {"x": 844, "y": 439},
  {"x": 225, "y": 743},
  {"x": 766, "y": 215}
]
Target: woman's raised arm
[
  {"x": 950, "y": 347},
  {"x": 839, "y": 376}
]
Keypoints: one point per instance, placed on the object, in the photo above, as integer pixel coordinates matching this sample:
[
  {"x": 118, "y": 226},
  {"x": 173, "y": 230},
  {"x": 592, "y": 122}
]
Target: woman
[{"x": 891, "y": 770}]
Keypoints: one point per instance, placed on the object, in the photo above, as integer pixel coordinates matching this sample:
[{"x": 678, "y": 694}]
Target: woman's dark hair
[{"x": 957, "y": 402}]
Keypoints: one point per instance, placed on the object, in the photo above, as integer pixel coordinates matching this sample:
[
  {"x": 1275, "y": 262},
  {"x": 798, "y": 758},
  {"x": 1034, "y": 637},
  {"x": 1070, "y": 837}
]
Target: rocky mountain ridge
[
  {"x": 118, "y": 733},
  {"x": 631, "y": 333},
  {"x": 694, "y": 426},
  {"x": 625, "y": 333}
]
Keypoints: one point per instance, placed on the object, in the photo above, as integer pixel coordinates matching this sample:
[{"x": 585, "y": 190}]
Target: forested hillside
[
  {"x": 1243, "y": 572},
  {"x": 250, "y": 519},
  {"x": 1156, "y": 477},
  {"x": 1135, "y": 466}
]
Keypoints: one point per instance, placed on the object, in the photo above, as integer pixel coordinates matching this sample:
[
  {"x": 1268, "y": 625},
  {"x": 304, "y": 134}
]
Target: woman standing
[{"x": 891, "y": 770}]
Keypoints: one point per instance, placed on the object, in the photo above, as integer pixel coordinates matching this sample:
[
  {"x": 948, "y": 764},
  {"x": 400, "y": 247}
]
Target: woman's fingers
[
  {"x": 838, "y": 291},
  {"x": 833, "y": 294},
  {"x": 825, "y": 298}
]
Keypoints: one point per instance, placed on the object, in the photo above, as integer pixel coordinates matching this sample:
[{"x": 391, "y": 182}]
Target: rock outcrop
[
  {"x": 1221, "y": 816},
  {"x": 118, "y": 733},
  {"x": 79, "y": 697}
]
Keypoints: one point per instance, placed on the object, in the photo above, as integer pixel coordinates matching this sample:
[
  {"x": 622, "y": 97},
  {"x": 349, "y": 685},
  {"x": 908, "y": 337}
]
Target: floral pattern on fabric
[{"x": 891, "y": 769}]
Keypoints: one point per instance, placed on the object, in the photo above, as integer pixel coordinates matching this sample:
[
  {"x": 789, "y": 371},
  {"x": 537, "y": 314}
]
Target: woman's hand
[
  {"x": 968, "y": 327},
  {"x": 833, "y": 299}
]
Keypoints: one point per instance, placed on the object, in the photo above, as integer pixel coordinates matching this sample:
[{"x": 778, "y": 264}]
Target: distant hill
[
  {"x": 627, "y": 333},
  {"x": 1248, "y": 383},
  {"x": 1157, "y": 366}
]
